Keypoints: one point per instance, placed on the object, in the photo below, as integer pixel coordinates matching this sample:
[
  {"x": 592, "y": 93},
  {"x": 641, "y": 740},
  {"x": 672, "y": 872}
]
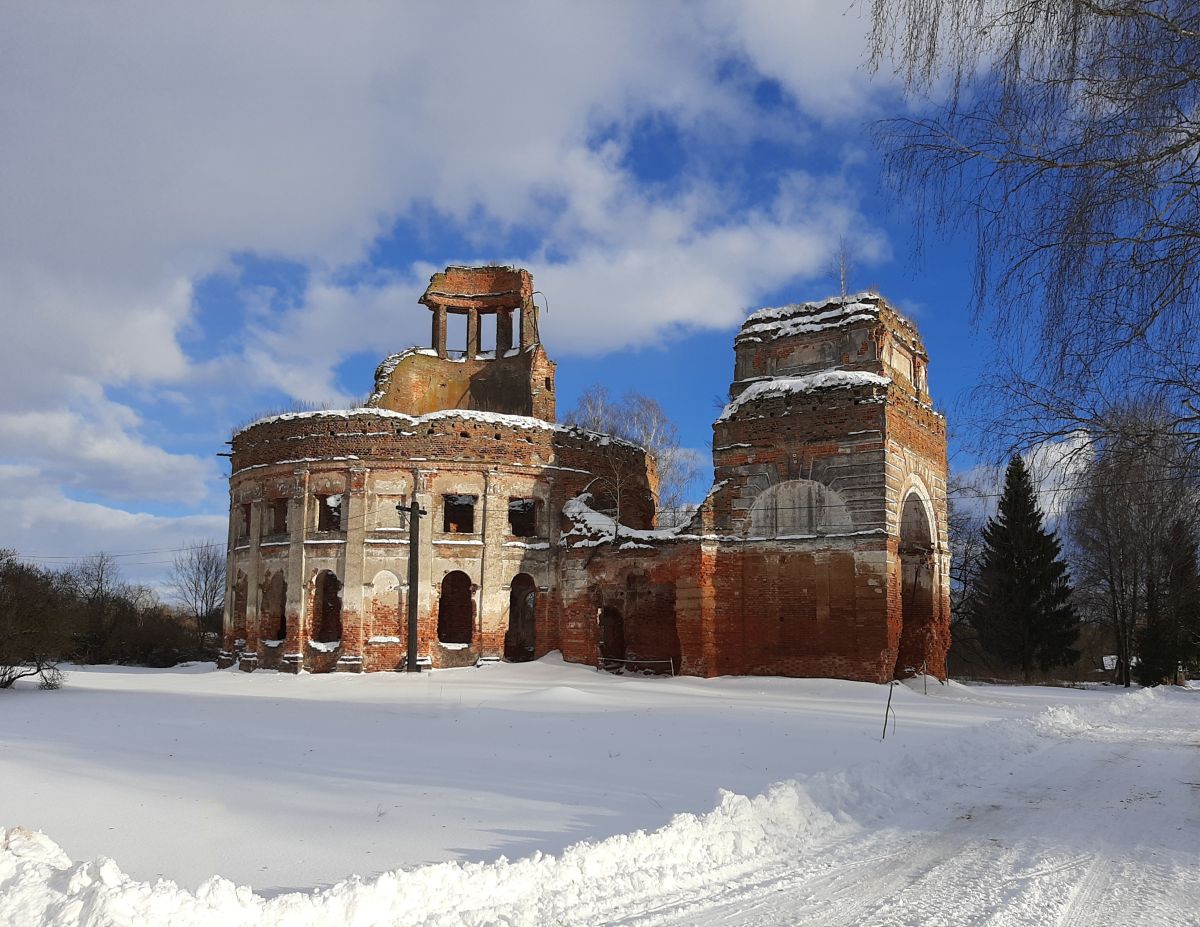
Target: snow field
[{"x": 624, "y": 876}]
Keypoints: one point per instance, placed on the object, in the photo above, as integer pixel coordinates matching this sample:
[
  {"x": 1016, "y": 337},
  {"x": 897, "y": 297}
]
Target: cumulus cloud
[
  {"x": 52, "y": 530},
  {"x": 146, "y": 145}
]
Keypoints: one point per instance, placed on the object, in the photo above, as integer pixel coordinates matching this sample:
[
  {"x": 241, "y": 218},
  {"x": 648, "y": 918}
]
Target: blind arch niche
[{"x": 799, "y": 508}]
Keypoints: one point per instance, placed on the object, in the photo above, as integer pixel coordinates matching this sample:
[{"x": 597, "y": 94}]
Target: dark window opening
[
  {"x": 275, "y": 608},
  {"x": 522, "y": 518},
  {"x": 329, "y": 513},
  {"x": 243, "y": 521},
  {"x": 455, "y": 609},
  {"x": 612, "y": 634},
  {"x": 548, "y": 386},
  {"x": 519, "y": 640},
  {"x": 327, "y": 608},
  {"x": 458, "y": 514},
  {"x": 279, "y": 516}
]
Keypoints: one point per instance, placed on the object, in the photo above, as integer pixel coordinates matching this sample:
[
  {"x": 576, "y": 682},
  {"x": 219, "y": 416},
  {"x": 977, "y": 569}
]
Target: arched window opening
[
  {"x": 916, "y": 587},
  {"x": 456, "y": 612},
  {"x": 800, "y": 508},
  {"x": 612, "y": 634},
  {"x": 274, "y": 615},
  {"x": 327, "y": 608},
  {"x": 520, "y": 639}
]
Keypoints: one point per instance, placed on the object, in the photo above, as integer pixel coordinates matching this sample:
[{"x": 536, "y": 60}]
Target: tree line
[
  {"x": 88, "y": 613},
  {"x": 1122, "y": 581}
]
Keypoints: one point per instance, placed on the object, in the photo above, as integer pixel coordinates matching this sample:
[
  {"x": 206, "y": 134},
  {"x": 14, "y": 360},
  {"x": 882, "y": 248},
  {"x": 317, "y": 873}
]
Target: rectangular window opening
[
  {"x": 522, "y": 518},
  {"x": 329, "y": 512},
  {"x": 279, "y": 512},
  {"x": 243, "y": 524},
  {"x": 456, "y": 334},
  {"x": 458, "y": 514}
]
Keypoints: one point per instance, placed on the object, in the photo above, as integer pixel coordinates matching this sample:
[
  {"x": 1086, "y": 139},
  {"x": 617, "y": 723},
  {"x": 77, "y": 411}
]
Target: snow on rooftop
[
  {"x": 819, "y": 315},
  {"x": 491, "y": 418},
  {"x": 813, "y": 382}
]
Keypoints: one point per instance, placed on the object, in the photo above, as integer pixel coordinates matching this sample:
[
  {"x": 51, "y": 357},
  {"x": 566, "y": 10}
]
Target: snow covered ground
[{"x": 985, "y": 806}]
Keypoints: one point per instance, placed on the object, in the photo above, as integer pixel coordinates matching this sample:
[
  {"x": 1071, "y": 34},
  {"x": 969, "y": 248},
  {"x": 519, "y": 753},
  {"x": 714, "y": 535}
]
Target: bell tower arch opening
[{"x": 917, "y": 612}]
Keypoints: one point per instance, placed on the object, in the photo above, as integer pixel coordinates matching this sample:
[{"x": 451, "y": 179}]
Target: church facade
[{"x": 820, "y": 549}]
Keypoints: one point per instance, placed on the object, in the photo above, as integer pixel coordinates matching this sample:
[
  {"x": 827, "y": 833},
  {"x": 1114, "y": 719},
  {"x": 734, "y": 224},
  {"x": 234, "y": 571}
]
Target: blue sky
[{"x": 214, "y": 212}]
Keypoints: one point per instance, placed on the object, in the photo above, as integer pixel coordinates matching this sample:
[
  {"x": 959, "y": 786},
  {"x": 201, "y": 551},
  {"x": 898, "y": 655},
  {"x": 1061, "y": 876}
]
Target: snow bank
[{"x": 39, "y": 885}]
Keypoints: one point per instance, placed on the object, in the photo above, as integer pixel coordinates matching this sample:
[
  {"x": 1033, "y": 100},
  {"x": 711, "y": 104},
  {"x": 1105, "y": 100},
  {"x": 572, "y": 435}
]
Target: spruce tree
[{"x": 1021, "y": 601}]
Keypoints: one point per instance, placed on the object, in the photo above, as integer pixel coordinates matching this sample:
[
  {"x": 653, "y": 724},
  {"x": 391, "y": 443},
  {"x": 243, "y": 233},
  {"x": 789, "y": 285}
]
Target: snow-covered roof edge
[
  {"x": 494, "y": 418},
  {"x": 812, "y": 383},
  {"x": 818, "y": 315}
]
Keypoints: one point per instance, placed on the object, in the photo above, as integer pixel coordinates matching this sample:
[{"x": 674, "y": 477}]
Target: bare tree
[
  {"x": 34, "y": 631},
  {"x": 1065, "y": 136},
  {"x": 643, "y": 421},
  {"x": 966, "y": 519},
  {"x": 1137, "y": 495},
  {"x": 197, "y": 583}
]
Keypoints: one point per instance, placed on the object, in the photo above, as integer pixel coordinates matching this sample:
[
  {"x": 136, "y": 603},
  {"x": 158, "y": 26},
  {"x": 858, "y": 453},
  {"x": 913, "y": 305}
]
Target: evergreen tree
[{"x": 1021, "y": 602}]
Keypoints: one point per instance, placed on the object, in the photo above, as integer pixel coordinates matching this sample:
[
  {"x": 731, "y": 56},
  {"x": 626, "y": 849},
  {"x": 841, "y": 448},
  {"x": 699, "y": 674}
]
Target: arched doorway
[
  {"x": 274, "y": 619},
  {"x": 520, "y": 638},
  {"x": 916, "y": 586},
  {"x": 455, "y": 612},
  {"x": 612, "y": 634},
  {"x": 327, "y": 608}
]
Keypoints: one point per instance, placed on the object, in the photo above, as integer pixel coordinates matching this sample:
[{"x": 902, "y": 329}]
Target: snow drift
[{"x": 40, "y": 885}]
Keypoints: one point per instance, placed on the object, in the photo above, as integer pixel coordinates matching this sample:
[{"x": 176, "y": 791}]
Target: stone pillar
[
  {"x": 504, "y": 331},
  {"x": 493, "y": 599},
  {"x": 253, "y": 579},
  {"x": 472, "y": 333},
  {"x": 292, "y": 659},
  {"x": 422, "y": 486},
  {"x": 354, "y": 518},
  {"x": 225, "y": 657},
  {"x": 439, "y": 330}
]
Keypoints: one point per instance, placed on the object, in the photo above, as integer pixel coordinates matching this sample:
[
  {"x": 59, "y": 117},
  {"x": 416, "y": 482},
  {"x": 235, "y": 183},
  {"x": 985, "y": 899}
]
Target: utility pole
[{"x": 414, "y": 536}]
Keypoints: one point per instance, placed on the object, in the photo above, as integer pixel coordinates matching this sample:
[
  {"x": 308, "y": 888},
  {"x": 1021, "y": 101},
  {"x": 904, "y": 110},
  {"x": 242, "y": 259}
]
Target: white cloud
[
  {"x": 102, "y": 454},
  {"x": 43, "y": 524},
  {"x": 147, "y": 144}
]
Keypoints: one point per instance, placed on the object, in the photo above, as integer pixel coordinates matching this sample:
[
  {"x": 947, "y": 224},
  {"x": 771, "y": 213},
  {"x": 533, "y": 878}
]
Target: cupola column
[
  {"x": 439, "y": 329},
  {"x": 503, "y": 332},
  {"x": 529, "y": 324},
  {"x": 472, "y": 333}
]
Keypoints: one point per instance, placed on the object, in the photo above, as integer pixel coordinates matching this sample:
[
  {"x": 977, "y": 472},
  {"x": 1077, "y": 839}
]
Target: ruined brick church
[{"x": 820, "y": 550}]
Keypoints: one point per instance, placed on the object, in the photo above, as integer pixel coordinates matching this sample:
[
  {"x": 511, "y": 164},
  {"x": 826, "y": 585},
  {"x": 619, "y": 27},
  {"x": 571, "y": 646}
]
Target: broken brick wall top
[
  {"x": 807, "y": 445},
  {"x": 489, "y": 288},
  {"x": 573, "y": 459},
  {"x": 418, "y": 382},
  {"x": 513, "y": 376},
  {"x": 853, "y": 333}
]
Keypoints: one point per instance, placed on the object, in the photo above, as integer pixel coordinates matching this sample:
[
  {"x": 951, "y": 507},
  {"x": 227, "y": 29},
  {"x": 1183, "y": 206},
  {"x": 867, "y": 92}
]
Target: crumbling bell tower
[
  {"x": 830, "y": 495},
  {"x": 506, "y": 378}
]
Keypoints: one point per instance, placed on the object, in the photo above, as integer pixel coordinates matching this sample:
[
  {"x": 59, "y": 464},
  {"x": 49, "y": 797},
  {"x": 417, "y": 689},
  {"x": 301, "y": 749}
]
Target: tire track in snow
[{"x": 1028, "y": 857}]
